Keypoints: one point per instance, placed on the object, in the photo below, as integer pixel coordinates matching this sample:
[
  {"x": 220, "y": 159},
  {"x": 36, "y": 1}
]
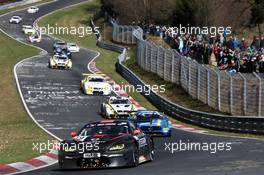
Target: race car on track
[
  {"x": 117, "y": 107},
  {"x": 33, "y": 9},
  {"x": 61, "y": 48},
  {"x": 34, "y": 38},
  {"x": 152, "y": 122},
  {"x": 107, "y": 143},
  {"x": 59, "y": 44},
  {"x": 28, "y": 30},
  {"x": 60, "y": 61},
  {"x": 95, "y": 84},
  {"x": 15, "y": 20},
  {"x": 72, "y": 47}
]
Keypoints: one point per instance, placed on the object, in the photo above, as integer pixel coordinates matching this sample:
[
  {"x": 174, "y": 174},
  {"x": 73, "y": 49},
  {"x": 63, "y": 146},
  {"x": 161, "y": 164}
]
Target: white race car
[
  {"x": 60, "y": 61},
  {"x": 95, "y": 84},
  {"x": 72, "y": 47},
  {"x": 34, "y": 38},
  {"x": 28, "y": 30},
  {"x": 15, "y": 19},
  {"x": 33, "y": 9},
  {"x": 117, "y": 107}
]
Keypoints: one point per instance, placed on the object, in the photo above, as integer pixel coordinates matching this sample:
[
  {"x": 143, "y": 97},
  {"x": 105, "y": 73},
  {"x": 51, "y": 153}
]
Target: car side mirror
[
  {"x": 136, "y": 132},
  {"x": 73, "y": 134}
]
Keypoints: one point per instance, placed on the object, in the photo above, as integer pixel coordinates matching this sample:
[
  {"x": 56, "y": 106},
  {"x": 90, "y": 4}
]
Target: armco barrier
[{"x": 242, "y": 124}]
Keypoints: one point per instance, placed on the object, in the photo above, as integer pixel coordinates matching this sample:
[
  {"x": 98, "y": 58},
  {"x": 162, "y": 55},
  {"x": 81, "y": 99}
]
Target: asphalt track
[{"x": 56, "y": 102}]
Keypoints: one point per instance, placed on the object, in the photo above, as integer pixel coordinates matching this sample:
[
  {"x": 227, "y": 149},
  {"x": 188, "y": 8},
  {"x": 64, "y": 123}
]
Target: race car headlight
[{"x": 117, "y": 147}]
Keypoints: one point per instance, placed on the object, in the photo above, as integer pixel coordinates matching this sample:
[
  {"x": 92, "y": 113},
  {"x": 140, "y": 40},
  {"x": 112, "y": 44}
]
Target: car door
[{"x": 141, "y": 138}]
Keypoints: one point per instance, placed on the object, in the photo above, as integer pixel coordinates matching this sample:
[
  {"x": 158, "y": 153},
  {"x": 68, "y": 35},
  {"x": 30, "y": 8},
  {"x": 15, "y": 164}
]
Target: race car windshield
[
  {"x": 62, "y": 57},
  {"x": 149, "y": 116},
  {"x": 105, "y": 129},
  {"x": 96, "y": 80},
  {"x": 120, "y": 101}
]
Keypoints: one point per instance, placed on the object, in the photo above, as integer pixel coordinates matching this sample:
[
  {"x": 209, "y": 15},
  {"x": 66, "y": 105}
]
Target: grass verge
[{"x": 17, "y": 132}]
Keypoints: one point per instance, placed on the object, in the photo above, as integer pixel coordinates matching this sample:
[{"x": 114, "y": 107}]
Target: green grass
[
  {"x": 79, "y": 16},
  {"x": 17, "y": 131},
  {"x": 23, "y": 6}
]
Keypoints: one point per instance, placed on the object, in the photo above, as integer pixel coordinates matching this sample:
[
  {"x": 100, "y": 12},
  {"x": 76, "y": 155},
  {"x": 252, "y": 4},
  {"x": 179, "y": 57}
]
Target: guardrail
[{"x": 242, "y": 124}]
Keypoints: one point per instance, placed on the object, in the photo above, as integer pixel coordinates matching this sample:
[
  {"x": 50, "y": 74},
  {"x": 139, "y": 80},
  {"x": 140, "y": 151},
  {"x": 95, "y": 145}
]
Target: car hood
[
  {"x": 123, "y": 107},
  {"x": 99, "y": 138},
  {"x": 96, "y": 84}
]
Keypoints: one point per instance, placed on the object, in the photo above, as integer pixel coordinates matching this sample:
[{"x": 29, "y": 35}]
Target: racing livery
[
  {"x": 152, "y": 122},
  {"x": 60, "y": 61},
  {"x": 117, "y": 107},
  {"x": 95, "y": 84},
  {"x": 107, "y": 143}
]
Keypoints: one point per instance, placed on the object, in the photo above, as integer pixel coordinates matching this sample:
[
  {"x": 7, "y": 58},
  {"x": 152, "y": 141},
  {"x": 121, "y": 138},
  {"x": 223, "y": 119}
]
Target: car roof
[
  {"x": 147, "y": 112},
  {"x": 118, "y": 98},
  {"x": 125, "y": 122}
]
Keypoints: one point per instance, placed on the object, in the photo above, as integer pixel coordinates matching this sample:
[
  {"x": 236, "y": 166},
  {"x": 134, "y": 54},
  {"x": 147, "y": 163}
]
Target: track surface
[{"x": 55, "y": 100}]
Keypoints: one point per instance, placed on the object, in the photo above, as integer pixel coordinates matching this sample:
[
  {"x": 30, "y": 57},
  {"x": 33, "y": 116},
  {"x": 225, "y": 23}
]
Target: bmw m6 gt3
[
  {"x": 95, "y": 84},
  {"x": 106, "y": 143},
  {"x": 117, "y": 107}
]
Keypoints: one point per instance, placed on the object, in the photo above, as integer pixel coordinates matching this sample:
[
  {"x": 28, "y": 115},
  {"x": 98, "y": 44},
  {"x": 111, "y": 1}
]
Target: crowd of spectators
[{"x": 230, "y": 53}]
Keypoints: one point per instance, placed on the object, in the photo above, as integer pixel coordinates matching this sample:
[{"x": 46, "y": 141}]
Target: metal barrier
[{"x": 242, "y": 124}]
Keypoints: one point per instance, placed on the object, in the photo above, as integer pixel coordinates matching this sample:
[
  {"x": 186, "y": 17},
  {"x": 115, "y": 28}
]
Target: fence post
[
  {"x": 164, "y": 65},
  {"x": 219, "y": 91},
  {"x": 151, "y": 57},
  {"x": 138, "y": 51},
  {"x": 157, "y": 70},
  {"x": 122, "y": 34},
  {"x": 142, "y": 54},
  {"x": 189, "y": 75},
  {"x": 129, "y": 33},
  {"x": 146, "y": 56},
  {"x": 231, "y": 93},
  {"x": 172, "y": 67},
  {"x": 259, "y": 94},
  {"x": 244, "y": 93},
  {"x": 198, "y": 82},
  {"x": 208, "y": 87}
]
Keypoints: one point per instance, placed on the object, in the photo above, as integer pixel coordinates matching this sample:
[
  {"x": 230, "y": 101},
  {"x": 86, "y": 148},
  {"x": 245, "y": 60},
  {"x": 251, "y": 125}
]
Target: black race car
[{"x": 108, "y": 143}]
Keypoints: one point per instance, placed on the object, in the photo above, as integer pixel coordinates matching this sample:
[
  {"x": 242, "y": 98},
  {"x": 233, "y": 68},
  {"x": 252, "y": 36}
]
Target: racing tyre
[
  {"x": 103, "y": 113},
  {"x": 151, "y": 155},
  {"x": 135, "y": 157}
]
